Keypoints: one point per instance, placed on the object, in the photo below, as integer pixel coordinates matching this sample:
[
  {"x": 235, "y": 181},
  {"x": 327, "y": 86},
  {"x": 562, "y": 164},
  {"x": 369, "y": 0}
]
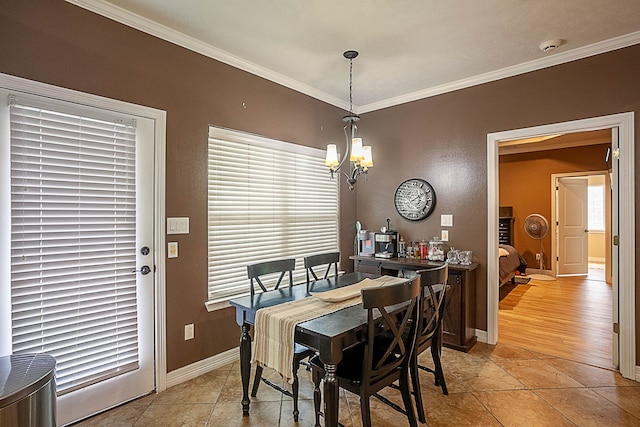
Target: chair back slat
[
  {"x": 282, "y": 266},
  {"x": 330, "y": 259}
]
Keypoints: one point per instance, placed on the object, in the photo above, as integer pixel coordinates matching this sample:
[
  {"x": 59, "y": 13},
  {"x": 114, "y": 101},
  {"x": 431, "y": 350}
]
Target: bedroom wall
[
  {"x": 525, "y": 184},
  {"x": 596, "y": 246}
]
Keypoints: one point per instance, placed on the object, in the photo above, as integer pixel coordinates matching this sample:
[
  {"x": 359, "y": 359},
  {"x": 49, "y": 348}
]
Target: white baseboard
[
  {"x": 196, "y": 369},
  {"x": 637, "y": 378},
  {"x": 538, "y": 271},
  {"x": 482, "y": 335}
]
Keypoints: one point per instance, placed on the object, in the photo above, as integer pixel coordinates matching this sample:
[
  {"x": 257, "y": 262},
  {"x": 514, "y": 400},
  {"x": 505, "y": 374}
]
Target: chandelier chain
[{"x": 351, "y": 86}]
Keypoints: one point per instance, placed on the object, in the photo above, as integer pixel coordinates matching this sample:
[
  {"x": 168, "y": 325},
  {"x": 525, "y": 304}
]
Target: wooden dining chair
[
  {"x": 434, "y": 290},
  {"x": 330, "y": 259},
  {"x": 255, "y": 273},
  {"x": 384, "y": 355}
]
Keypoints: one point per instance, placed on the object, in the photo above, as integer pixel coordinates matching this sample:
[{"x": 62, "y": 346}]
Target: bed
[{"x": 510, "y": 262}]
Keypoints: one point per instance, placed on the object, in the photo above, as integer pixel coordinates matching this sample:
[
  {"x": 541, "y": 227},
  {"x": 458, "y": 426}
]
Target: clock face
[{"x": 415, "y": 199}]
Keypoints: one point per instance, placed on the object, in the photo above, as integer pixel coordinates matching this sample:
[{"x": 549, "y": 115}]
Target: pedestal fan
[{"x": 537, "y": 227}]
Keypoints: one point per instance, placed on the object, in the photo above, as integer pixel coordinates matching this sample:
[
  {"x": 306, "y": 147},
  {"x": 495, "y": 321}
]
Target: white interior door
[
  {"x": 82, "y": 232},
  {"x": 573, "y": 234}
]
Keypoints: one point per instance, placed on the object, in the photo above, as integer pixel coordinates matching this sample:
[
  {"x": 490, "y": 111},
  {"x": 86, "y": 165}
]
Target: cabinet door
[
  {"x": 367, "y": 267},
  {"x": 453, "y": 323}
]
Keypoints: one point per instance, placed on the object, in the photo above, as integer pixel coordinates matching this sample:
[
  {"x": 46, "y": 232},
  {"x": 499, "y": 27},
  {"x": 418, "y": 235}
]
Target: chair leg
[
  {"x": 317, "y": 397},
  {"x": 256, "y": 381},
  {"x": 417, "y": 391},
  {"x": 365, "y": 410},
  {"x": 406, "y": 397},
  {"x": 294, "y": 388},
  {"x": 439, "y": 373}
]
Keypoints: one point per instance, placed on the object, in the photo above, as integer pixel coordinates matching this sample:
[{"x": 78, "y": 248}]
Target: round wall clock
[{"x": 415, "y": 199}]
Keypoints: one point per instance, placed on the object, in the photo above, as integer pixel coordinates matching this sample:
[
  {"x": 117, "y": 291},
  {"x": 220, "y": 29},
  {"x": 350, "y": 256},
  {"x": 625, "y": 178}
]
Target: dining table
[{"x": 328, "y": 334}]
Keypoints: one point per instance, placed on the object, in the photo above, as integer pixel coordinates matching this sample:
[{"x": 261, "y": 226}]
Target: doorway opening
[{"x": 623, "y": 225}]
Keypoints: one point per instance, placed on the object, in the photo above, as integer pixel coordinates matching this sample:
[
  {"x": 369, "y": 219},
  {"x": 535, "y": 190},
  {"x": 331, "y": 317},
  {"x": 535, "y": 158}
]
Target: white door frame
[
  {"x": 159, "y": 118},
  {"x": 626, "y": 201}
]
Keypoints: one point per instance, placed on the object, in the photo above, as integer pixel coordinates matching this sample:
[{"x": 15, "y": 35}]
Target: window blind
[
  {"x": 73, "y": 230},
  {"x": 267, "y": 200}
]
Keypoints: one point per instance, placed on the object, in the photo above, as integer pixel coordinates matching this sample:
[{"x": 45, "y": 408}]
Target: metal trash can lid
[{"x": 22, "y": 375}]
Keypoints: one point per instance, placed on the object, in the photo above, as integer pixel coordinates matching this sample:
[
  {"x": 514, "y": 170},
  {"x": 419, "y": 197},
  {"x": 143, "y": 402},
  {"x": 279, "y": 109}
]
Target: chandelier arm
[{"x": 347, "y": 151}]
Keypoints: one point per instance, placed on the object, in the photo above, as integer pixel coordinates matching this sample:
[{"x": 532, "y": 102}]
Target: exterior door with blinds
[{"x": 82, "y": 253}]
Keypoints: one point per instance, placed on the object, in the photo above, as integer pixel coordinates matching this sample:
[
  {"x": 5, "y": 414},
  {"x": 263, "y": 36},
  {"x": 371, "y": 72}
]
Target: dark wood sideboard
[{"x": 459, "y": 331}]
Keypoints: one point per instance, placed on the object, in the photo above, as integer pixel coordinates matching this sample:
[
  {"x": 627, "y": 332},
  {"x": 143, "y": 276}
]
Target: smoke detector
[{"x": 549, "y": 45}]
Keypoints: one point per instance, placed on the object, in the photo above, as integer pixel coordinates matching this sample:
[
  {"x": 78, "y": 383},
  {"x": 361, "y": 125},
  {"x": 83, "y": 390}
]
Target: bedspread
[{"x": 510, "y": 263}]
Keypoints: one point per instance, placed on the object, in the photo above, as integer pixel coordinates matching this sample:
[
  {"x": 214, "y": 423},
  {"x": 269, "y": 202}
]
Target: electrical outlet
[
  {"x": 188, "y": 332},
  {"x": 444, "y": 235},
  {"x": 538, "y": 257}
]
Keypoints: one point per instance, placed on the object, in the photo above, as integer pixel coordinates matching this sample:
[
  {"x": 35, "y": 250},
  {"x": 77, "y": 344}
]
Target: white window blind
[
  {"x": 267, "y": 200},
  {"x": 73, "y": 230}
]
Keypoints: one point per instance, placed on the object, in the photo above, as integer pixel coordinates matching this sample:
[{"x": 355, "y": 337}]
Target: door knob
[{"x": 144, "y": 270}]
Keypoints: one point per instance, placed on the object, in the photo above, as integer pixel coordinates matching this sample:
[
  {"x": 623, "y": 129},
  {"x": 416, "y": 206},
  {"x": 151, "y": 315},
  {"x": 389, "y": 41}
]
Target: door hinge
[
  {"x": 616, "y": 153},
  {"x": 616, "y": 240},
  {"x": 616, "y": 328}
]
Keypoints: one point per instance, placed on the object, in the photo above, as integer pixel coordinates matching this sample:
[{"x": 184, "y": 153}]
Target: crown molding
[
  {"x": 526, "y": 67},
  {"x": 148, "y": 26}
]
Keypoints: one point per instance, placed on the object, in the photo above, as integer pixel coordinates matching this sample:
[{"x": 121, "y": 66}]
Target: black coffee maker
[{"x": 386, "y": 242}]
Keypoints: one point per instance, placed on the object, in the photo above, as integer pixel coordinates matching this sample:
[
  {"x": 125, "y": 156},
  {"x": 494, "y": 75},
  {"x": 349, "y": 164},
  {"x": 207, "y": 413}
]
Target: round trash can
[{"x": 27, "y": 390}]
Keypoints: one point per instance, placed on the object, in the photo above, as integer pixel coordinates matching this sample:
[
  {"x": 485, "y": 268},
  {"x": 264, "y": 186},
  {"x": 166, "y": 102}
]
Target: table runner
[{"x": 275, "y": 326}]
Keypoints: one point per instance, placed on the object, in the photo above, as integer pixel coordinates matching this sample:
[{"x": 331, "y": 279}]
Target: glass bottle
[
  {"x": 436, "y": 250},
  {"x": 401, "y": 247},
  {"x": 423, "y": 249}
]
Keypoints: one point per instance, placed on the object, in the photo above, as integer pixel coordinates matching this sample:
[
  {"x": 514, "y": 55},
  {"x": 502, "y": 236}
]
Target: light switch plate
[
  {"x": 172, "y": 250},
  {"x": 444, "y": 235},
  {"x": 178, "y": 225},
  {"x": 446, "y": 220}
]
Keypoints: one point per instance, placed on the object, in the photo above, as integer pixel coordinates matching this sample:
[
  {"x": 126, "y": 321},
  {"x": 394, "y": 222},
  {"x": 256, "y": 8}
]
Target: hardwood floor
[{"x": 568, "y": 318}]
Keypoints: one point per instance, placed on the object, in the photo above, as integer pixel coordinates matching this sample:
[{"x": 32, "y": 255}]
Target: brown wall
[
  {"x": 60, "y": 44},
  {"x": 525, "y": 184},
  {"x": 441, "y": 139}
]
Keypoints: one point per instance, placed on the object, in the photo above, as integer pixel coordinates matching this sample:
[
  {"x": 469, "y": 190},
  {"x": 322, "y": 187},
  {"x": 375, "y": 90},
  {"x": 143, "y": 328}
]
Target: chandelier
[{"x": 360, "y": 157}]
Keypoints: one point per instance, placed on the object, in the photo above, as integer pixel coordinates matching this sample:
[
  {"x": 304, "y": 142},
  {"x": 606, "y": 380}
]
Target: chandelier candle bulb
[
  {"x": 332, "y": 156},
  {"x": 368, "y": 157},
  {"x": 356, "y": 150}
]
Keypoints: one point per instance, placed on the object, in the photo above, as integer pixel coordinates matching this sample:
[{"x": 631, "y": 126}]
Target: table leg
[
  {"x": 245, "y": 366},
  {"x": 331, "y": 396}
]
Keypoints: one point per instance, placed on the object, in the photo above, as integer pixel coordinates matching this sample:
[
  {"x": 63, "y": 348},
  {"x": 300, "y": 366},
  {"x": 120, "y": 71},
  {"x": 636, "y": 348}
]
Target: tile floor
[{"x": 489, "y": 386}]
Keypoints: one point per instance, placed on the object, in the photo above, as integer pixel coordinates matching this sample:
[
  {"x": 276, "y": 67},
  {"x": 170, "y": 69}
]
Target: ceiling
[
  {"x": 409, "y": 49},
  {"x": 555, "y": 141}
]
